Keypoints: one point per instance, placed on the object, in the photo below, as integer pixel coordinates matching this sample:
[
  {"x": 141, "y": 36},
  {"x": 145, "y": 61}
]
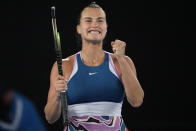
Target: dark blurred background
[{"x": 158, "y": 35}]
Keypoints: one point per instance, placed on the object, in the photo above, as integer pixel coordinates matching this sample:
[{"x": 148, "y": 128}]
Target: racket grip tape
[{"x": 63, "y": 108}]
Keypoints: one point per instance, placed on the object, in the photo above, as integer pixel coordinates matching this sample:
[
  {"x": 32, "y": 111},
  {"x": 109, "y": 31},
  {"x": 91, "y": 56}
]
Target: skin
[
  {"x": 93, "y": 29},
  {"x": 5, "y": 104},
  {"x": 7, "y": 97}
]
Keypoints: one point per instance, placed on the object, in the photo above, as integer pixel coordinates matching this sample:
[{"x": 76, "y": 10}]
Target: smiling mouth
[{"x": 94, "y": 32}]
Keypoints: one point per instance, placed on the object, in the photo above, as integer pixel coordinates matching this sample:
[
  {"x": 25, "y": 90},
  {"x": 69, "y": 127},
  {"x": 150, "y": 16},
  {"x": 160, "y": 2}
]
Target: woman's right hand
[{"x": 60, "y": 84}]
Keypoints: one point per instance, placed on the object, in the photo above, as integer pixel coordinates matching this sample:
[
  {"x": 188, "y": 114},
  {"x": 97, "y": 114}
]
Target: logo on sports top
[{"x": 92, "y": 73}]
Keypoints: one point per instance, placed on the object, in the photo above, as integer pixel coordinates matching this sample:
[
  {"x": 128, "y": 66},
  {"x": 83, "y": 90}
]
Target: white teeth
[{"x": 94, "y": 32}]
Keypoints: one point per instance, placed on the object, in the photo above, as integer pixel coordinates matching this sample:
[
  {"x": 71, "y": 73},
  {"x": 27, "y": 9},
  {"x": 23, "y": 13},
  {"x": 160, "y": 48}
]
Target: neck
[{"x": 92, "y": 54}]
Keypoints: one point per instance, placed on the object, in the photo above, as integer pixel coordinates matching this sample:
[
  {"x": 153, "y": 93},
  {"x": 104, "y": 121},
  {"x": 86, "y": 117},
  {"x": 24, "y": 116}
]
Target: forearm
[
  {"x": 53, "y": 110},
  {"x": 133, "y": 90}
]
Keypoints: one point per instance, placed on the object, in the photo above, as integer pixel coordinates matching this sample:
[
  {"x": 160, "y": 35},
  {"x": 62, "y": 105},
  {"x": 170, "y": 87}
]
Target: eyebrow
[{"x": 91, "y": 18}]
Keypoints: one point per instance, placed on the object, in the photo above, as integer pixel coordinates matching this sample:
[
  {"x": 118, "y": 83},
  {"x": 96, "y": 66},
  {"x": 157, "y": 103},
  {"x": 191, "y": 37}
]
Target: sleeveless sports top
[{"x": 95, "y": 96}]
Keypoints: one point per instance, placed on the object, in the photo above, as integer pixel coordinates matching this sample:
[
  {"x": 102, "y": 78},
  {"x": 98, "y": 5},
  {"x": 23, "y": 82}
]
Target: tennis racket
[{"x": 57, "y": 43}]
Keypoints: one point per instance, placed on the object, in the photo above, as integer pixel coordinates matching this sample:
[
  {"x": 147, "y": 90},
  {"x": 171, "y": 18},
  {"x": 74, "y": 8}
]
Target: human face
[{"x": 92, "y": 27}]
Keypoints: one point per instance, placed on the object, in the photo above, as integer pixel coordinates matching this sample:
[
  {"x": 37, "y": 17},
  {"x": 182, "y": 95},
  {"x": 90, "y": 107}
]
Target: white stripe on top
[
  {"x": 95, "y": 109},
  {"x": 112, "y": 67},
  {"x": 75, "y": 68}
]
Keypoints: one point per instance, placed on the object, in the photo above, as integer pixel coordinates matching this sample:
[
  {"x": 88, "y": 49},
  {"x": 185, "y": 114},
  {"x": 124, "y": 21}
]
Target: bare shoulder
[
  {"x": 67, "y": 66},
  {"x": 69, "y": 61},
  {"x": 127, "y": 58},
  {"x": 113, "y": 58}
]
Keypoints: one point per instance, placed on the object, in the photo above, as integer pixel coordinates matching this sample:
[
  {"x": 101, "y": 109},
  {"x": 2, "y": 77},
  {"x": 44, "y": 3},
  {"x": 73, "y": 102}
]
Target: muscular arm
[
  {"x": 133, "y": 90},
  {"x": 53, "y": 107},
  {"x": 57, "y": 84}
]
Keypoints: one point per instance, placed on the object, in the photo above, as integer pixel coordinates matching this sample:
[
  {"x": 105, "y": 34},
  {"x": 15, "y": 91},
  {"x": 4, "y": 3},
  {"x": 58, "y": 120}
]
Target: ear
[{"x": 78, "y": 29}]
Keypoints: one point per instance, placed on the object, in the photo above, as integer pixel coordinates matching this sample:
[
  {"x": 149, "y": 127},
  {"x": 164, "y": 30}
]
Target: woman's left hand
[{"x": 118, "y": 48}]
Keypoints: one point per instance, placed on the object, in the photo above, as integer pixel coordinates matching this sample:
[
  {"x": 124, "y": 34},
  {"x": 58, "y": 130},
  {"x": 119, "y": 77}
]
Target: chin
[{"x": 94, "y": 41}]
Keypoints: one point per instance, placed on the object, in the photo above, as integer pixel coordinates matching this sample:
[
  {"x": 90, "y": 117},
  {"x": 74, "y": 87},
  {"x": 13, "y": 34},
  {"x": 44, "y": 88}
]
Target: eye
[
  {"x": 88, "y": 21},
  {"x": 100, "y": 20}
]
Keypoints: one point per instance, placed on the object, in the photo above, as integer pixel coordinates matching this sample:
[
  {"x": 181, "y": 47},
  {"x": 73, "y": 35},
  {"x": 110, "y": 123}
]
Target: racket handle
[
  {"x": 64, "y": 108},
  {"x": 59, "y": 62},
  {"x": 53, "y": 12}
]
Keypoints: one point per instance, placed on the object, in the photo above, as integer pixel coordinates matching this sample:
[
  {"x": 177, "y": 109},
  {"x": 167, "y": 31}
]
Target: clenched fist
[
  {"x": 118, "y": 48},
  {"x": 60, "y": 84}
]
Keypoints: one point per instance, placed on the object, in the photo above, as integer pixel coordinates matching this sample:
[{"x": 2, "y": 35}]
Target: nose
[{"x": 95, "y": 24}]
